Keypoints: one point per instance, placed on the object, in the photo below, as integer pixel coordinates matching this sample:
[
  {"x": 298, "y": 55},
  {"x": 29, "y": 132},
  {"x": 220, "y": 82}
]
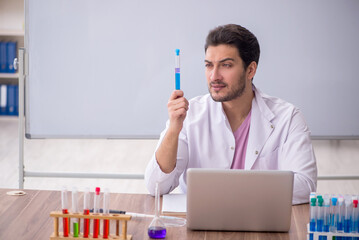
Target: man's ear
[{"x": 251, "y": 70}]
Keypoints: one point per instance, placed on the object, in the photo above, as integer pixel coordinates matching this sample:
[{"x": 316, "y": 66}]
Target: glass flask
[{"x": 157, "y": 228}]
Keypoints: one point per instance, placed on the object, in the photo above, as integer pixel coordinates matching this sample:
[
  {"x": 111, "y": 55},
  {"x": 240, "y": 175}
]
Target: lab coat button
[
  {"x": 232, "y": 148},
  {"x": 256, "y": 152},
  {"x": 271, "y": 126}
]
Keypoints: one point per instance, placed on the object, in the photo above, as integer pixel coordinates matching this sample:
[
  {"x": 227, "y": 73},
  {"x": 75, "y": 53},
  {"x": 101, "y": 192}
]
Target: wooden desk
[{"x": 27, "y": 217}]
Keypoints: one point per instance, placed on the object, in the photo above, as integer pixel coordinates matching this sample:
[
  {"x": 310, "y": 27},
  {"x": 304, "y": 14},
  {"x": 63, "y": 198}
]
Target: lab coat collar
[
  {"x": 260, "y": 129},
  {"x": 263, "y": 107}
]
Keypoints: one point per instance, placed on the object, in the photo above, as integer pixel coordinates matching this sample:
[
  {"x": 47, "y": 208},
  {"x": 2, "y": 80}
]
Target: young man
[{"x": 234, "y": 126}]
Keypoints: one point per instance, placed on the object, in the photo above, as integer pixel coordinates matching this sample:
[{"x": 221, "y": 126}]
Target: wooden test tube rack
[{"x": 123, "y": 218}]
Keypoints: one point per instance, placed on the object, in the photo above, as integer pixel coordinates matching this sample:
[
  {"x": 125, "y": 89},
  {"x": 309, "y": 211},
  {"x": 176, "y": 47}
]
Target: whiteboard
[{"x": 105, "y": 69}]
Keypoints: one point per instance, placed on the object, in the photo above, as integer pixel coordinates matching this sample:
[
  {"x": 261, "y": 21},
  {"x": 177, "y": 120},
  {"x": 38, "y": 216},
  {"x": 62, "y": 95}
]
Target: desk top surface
[{"x": 28, "y": 217}]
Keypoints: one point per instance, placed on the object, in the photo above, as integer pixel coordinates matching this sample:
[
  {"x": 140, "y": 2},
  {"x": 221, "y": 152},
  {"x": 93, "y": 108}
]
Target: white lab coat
[{"x": 278, "y": 139}]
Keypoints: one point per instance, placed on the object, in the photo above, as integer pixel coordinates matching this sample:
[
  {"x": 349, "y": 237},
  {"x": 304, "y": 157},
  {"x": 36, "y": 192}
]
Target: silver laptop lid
[{"x": 239, "y": 200}]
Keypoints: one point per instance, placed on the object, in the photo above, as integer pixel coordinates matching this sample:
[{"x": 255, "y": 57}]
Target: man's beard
[{"x": 234, "y": 93}]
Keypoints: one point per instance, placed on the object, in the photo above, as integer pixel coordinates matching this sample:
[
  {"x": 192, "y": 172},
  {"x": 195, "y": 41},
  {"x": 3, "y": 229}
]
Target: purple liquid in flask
[{"x": 157, "y": 232}]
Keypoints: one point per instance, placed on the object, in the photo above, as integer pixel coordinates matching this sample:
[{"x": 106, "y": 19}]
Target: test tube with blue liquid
[
  {"x": 326, "y": 211},
  {"x": 313, "y": 217},
  {"x": 347, "y": 218},
  {"x": 334, "y": 215},
  {"x": 320, "y": 216},
  {"x": 341, "y": 215},
  {"x": 157, "y": 228},
  {"x": 178, "y": 70}
]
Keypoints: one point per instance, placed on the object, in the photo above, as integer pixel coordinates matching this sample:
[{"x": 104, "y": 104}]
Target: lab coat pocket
[{"x": 267, "y": 160}]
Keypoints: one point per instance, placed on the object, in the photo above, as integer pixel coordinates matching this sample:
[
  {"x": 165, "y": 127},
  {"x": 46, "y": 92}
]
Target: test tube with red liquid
[
  {"x": 86, "y": 212},
  {"x": 65, "y": 207},
  {"x": 96, "y": 210},
  {"x": 106, "y": 211}
]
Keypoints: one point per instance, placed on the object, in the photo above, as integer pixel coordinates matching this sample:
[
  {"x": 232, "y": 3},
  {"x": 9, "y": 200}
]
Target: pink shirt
[{"x": 241, "y": 137}]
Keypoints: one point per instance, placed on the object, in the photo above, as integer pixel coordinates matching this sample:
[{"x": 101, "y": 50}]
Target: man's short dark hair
[{"x": 239, "y": 37}]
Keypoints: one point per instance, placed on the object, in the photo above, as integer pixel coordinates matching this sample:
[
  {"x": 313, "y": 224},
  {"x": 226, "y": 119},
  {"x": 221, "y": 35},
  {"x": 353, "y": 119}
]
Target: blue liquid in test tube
[
  {"x": 334, "y": 215},
  {"x": 312, "y": 216},
  {"x": 341, "y": 215},
  {"x": 178, "y": 70},
  {"x": 347, "y": 218},
  {"x": 320, "y": 216},
  {"x": 326, "y": 211}
]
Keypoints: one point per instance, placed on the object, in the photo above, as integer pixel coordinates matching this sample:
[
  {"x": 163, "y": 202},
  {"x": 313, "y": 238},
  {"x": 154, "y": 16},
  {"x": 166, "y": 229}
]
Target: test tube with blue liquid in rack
[
  {"x": 320, "y": 215},
  {"x": 178, "y": 70},
  {"x": 341, "y": 214},
  {"x": 334, "y": 215},
  {"x": 313, "y": 217},
  {"x": 326, "y": 217},
  {"x": 347, "y": 218}
]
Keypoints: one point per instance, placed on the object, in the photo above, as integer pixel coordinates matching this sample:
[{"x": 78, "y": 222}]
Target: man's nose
[{"x": 215, "y": 74}]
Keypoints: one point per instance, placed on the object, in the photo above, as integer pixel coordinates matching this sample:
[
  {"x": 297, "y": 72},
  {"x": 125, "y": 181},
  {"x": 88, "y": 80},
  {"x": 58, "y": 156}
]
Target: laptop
[{"x": 239, "y": 200}]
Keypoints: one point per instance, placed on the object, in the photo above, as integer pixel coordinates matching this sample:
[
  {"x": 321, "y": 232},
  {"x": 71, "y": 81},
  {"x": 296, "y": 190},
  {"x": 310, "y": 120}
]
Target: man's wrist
[{"x": 173, "y": 131}]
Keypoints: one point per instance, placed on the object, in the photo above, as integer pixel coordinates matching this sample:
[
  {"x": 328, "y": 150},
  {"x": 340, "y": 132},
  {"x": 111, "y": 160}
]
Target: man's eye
[
  {"x": 207, "y": 65},
  {"x": 227, "y": 65}
]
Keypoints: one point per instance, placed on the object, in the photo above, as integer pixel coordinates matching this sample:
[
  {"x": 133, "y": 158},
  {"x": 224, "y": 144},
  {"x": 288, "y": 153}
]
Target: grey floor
[{"x": 334, "y": 157}]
